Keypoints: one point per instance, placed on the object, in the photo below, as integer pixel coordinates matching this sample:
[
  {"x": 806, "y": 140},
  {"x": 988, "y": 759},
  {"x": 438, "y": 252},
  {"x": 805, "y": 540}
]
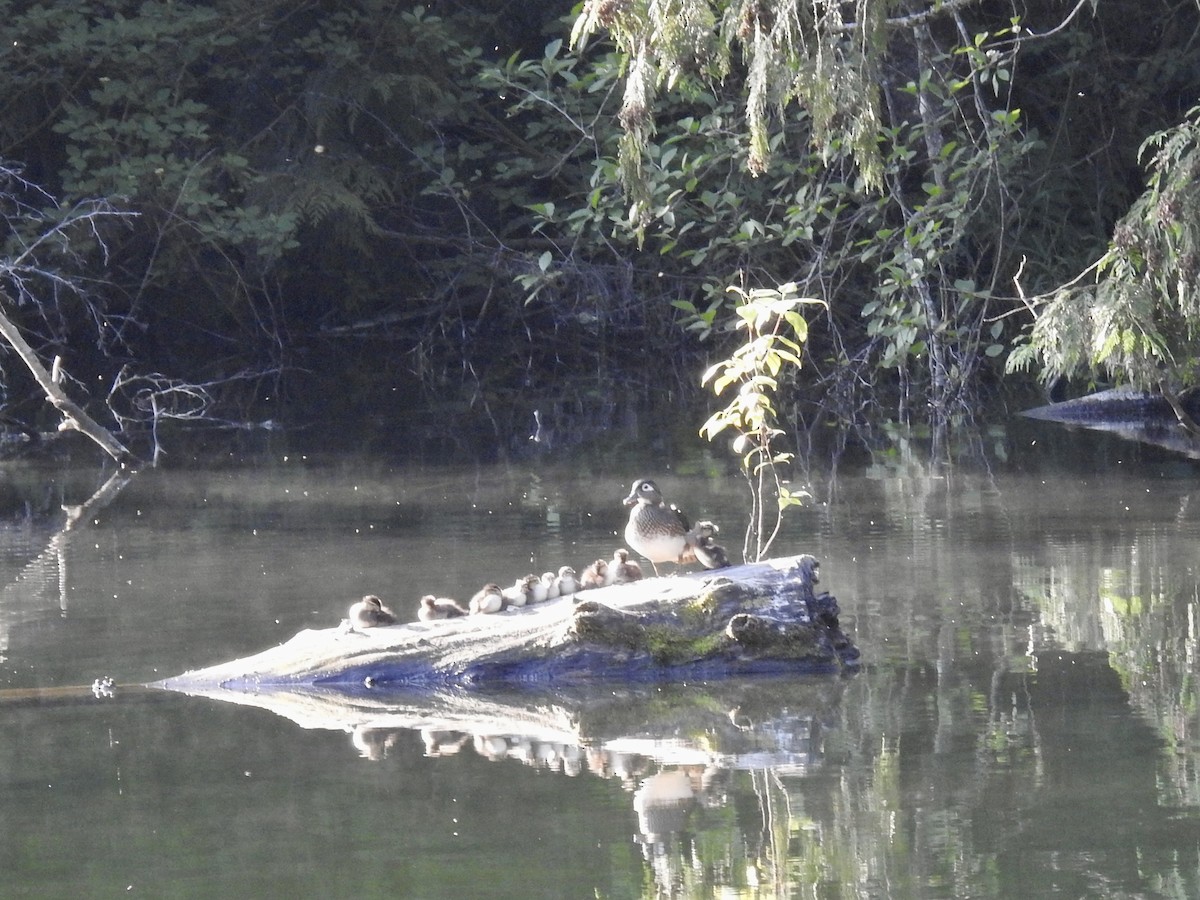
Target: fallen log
[
  {"x": 1155, "y": 418},
  {"x": 1116, "y": 407},
  {"x": 764, "y": 617}
]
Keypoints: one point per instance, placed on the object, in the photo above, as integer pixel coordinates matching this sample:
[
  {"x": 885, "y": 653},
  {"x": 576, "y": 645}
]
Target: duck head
[{"x": 643, "y": 491}]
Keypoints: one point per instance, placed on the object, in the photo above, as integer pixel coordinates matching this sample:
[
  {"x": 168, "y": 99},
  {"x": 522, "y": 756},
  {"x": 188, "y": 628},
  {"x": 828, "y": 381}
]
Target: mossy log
[{"x": 764, "y": 617}]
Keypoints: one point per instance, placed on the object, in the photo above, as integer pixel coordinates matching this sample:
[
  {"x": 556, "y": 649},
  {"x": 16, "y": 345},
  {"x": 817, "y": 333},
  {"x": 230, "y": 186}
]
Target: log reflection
[{"x": 691, "y": 757}]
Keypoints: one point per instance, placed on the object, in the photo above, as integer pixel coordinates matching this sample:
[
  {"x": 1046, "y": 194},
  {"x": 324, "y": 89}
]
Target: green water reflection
[{"x": 1025, "y": 725}]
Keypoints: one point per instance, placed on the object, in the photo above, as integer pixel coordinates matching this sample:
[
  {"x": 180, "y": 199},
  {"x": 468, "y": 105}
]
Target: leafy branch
[
  {"x": 775, "y": 335},
  {"x": 1135, "y": 312}
]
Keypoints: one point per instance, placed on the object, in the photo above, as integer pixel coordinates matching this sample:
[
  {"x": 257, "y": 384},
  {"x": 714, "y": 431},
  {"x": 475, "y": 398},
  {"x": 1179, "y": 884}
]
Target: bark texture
[{"x": 764, "y": 617}]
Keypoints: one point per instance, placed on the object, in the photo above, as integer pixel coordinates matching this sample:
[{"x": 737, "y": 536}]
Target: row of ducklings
[
  {"x": 492, "y": 598},
  {"x": 370, "y": 612}
]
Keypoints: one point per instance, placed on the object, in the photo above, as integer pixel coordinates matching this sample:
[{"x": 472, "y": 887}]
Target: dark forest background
[{"x": 404, "y": 224}]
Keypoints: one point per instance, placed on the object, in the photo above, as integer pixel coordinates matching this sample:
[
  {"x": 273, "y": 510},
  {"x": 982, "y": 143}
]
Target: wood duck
[
  {"x": 369, "y": 612},
  {"x": 710, "y": 554},
  {"x": 655, "y": 530},
  {"x": 594, "y": 576},
  {"x": 489, "y": 599},
  {"x": 439, "y": 608},
  {"x": 519, "y": 593},
  {"x": 539, "y": 591},
  {"x": 621, "y": 570},
  {"x": 550, "y": 580},
  {"x": 566, "y": 582}
]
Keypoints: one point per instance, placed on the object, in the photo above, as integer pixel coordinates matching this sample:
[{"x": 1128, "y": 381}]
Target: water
[{"x": 1025, "y": 726}]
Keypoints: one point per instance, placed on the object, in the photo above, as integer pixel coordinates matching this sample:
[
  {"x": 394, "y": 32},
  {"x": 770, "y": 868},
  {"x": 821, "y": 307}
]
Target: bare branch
[
  {"x": 74, "y": 416},
  {"x": 925, "y": 15}
]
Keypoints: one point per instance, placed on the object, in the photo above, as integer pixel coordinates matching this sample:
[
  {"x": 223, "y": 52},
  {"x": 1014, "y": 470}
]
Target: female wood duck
[
  {"x": 704, "y": 544},
  {"x": 488, "y": 599},
  {"x": 621, "y": 570},
  {"x": 369, "y": 612},
  {"x": 439, "y": 608},
  {"x": 655, "y": 530}
]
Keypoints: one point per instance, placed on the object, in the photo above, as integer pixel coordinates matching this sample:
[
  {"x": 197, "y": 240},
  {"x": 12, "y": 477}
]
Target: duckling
[
  {"x": 489, "y": 599},
  {"x": 566, "y": 582},
  {"x": 518, "y": 593},
  {"x": 439, "y": 608},
  {"x": 622, "y": 570},
  {"x": 539, "y": 588},
  {"x": 550, "y": 580},
  {"x": 610, "y": 571},
  {"x": 369, "y": 612},
  {"x": 710, "y": 554},
  {"x": 594, "y": 576},
  {"x": 655, "y": 530}
]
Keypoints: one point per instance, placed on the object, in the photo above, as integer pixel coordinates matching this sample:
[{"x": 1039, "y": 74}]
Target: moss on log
[{"x": 765, "y": 617}]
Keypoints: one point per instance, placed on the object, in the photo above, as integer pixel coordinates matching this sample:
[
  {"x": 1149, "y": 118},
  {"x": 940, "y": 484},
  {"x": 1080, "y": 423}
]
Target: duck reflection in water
[
  {"x": 443, "y": 743},
  {"x": 373, "y": 743},
  {"x": 551, "y": 755},
  {"x": 663, "y": 803},
  {"x": 664, "y": 798}
]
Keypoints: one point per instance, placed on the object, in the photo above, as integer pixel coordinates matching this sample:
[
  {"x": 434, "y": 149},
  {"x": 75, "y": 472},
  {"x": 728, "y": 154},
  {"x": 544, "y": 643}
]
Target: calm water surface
[{"x": 1025, "y": 724}]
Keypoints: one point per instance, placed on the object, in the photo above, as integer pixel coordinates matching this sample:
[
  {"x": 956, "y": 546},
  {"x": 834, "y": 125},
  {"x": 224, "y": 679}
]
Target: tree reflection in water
[{"x": 1025, "y": 723}]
